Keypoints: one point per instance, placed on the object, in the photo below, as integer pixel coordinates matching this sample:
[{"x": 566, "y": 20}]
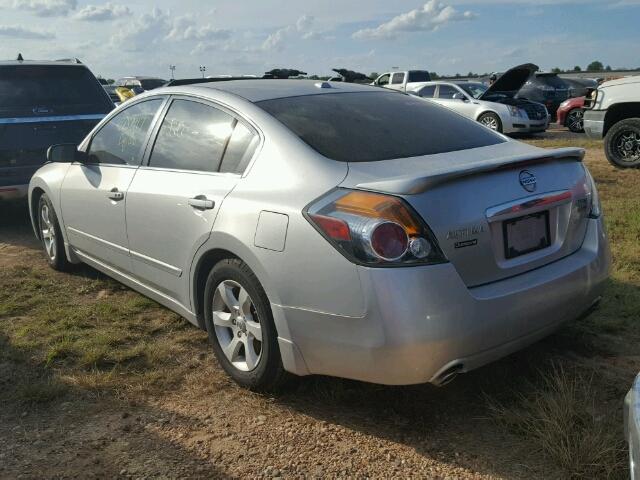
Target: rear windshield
[
  {"x": 372, "y": 126},
  {"x": 50, "y": 90},
  {"x": 151, "y": 83},
  {"x": 417, "y": 76},
  {"x": 552, "y": 81}
]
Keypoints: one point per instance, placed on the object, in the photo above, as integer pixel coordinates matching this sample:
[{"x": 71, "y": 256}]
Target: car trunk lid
[{"x": 491, "y": 207}]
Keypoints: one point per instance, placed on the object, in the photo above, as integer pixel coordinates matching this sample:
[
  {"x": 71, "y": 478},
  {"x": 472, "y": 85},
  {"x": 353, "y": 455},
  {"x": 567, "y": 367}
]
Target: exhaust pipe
[{"x": 448, "y": 375}]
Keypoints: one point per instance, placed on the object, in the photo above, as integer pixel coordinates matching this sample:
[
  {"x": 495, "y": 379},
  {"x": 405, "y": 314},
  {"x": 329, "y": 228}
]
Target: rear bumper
[
  {"x": 422, "y": 321},
  {"x": 13, "y": 192},
  {"x": 594, "y": 123}
]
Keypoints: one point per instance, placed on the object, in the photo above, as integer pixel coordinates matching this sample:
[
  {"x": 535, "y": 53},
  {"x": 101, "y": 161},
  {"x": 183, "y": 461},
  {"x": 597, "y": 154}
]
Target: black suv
[
  {"x": 42, "y": 104},
  {"x": 546, "y": 88}
]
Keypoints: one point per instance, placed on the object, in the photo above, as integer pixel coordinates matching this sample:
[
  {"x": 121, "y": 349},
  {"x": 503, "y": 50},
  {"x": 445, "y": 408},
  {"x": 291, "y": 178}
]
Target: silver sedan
[{"x": 323, "y": 228}]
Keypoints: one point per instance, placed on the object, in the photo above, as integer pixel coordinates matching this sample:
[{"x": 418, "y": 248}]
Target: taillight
[{"x": 374, "y": 229}]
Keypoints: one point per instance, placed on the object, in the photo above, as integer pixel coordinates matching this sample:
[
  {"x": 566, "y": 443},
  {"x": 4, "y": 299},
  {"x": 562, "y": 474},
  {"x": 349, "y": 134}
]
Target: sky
[{"x": 252, "y": 36}]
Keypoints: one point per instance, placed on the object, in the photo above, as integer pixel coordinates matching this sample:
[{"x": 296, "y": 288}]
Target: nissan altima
[{"x": 328, "y": 228}]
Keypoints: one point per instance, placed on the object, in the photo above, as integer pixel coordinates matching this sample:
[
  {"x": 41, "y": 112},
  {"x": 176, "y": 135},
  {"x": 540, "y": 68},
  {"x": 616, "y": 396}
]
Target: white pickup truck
[
  {"x": 402, "y": 80},
  {"x": 612, "y": 111}
]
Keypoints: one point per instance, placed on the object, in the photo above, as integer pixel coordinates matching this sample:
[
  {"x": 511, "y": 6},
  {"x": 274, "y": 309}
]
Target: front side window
[
  {"x": 376, "y": 125},
  {"x": 397, "y": 78},
  {"x": 384, "y": 79},
  {"x": 447, "y": 91},
  {"x": 419, "y": 76},
  {"x": 428, "y": 91},
  {"x": 193, "y": 136},
  {"x": 121, "y": 139}
]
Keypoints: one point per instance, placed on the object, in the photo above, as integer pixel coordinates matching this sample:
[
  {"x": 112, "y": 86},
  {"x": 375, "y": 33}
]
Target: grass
[
  {"x": 96, "y": 333},
  {"x": 559, "y": 417}
]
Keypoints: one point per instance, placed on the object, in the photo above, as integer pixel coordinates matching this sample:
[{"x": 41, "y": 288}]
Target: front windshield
[{"x": 474, "y": 89}]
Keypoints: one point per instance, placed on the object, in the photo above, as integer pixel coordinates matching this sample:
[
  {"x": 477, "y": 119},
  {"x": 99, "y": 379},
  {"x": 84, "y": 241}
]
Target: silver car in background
[
  {"x": 494, "y": 106},
  {"x": 328, "y": 228}
]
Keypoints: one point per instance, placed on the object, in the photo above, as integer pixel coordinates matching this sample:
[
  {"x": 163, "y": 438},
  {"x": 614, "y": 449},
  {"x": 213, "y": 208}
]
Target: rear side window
[
  {"x": 446, "y": 91},
  {"x": 419, "y": 76},
  {"x": 193, "y": 136},
  {"x": 242, "y": 145},
  {"x": 552, "y": 81},
  {"x": 397, "y": 78},
  {"x": 377, "y": 125},
  {"x": 28, "y": 90},
  {"x": 120, "y": 140}
]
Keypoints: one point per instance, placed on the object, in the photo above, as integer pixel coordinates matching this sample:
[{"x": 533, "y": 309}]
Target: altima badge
[{"x": 528, "y": 181}]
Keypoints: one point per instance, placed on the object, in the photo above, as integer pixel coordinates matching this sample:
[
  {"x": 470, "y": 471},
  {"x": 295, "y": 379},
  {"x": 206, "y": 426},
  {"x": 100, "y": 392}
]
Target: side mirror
[
  {"x": 459, "y": 96},
  {"x": 65, "y": 153}
]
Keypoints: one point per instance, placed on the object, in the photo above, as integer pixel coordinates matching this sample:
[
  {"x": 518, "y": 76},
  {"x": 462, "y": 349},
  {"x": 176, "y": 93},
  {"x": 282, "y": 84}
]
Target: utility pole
[
  {"x": 173, "y": 69},
  {"x": 202, "y": 70}
]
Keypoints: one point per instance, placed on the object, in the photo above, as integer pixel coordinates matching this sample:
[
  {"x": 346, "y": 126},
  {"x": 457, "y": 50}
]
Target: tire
[
  {"x": 491, "y": 120},
  {"x": 253, "y": 364},
  {"x": 622, "y": 144},
  {"x": 574, "y": 121},
  {"x": 51, "y": 235}
]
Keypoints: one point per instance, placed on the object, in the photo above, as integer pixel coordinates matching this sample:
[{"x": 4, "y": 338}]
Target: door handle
[
  {"x": 201, "y": 202},
  {"x": 115, "y": 194}
]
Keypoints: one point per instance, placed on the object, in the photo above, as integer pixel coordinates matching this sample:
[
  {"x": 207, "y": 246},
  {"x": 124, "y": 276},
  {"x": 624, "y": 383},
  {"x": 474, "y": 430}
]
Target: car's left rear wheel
[
  {"x": 241, "y": 329},
  {"x": 51, "y": 235}
]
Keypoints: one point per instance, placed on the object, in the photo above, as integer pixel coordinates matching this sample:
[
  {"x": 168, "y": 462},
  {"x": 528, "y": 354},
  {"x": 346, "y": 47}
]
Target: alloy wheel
[
  {"x": 575, "y": 121},
  {"x": 490, "y": 121},
  {"x": 627, "y": 146},
  {"x": 237, "y": 326},
  {"x": 48, "y": 231}
]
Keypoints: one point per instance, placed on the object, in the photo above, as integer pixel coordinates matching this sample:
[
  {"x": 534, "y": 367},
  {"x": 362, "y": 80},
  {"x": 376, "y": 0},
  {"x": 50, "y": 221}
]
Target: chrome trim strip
[
  {"x": 165, "y": 267},
  {"x": 53, "y": 118},
  {"x": 532, "y": 204},
  {"x": 102, "y": 242}
]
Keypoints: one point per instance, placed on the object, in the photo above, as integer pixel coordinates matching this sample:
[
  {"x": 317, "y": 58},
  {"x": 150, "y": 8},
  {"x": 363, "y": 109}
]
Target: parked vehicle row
[{"x": 496, "y": 106}]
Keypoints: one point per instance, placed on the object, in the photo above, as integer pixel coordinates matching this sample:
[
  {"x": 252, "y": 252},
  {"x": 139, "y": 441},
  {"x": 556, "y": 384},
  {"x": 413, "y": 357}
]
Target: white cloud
[
  {"x": 45, "y": 8},
  {"x": 24, "y": 33},
  {"x": 102, "y": 13},
  {"x": 303, "y": 28},
  {"x": 186, "y": 28},
  {"x": 431, "y": 16}
]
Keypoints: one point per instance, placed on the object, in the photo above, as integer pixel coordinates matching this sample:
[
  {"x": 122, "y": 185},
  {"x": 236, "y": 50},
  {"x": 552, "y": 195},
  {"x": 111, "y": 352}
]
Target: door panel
[
  {"x": 169, "y": 216},
  {"x": 95, "y": 222},
  {"x": 93, "y": 195}
]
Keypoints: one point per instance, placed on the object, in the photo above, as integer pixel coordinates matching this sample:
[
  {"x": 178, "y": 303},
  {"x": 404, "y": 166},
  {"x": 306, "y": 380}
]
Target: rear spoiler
[{"x": 413, "y": 184}]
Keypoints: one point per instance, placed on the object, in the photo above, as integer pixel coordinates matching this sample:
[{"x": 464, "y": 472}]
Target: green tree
[
  {"x": 608, "y": 68},
  {"x": 577, "y": 68},
  {"x": 374, "y": 75},
  {"x": 595, "y": 66},
  {"x": 434, "y": 75},
  {"x": 556, "y": 70}
]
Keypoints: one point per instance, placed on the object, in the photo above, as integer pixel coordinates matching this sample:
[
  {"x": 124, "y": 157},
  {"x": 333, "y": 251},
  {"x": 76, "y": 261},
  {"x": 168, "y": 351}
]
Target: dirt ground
[{"x": 97, "y": 382}]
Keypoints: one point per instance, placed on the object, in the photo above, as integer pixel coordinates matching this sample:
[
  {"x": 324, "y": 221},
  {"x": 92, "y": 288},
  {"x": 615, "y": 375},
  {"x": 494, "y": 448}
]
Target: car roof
[
  {"x": 256, "y": 90},
  {"x": 12, "y": 63}
]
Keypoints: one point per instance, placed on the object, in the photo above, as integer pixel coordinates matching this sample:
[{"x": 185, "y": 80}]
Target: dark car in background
[
  {"x": 546, "y": 88},
  {"x": 43, "y": 104},
  {"x": 578, "y": 86},
  {"x": 140, "y": 84}
]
